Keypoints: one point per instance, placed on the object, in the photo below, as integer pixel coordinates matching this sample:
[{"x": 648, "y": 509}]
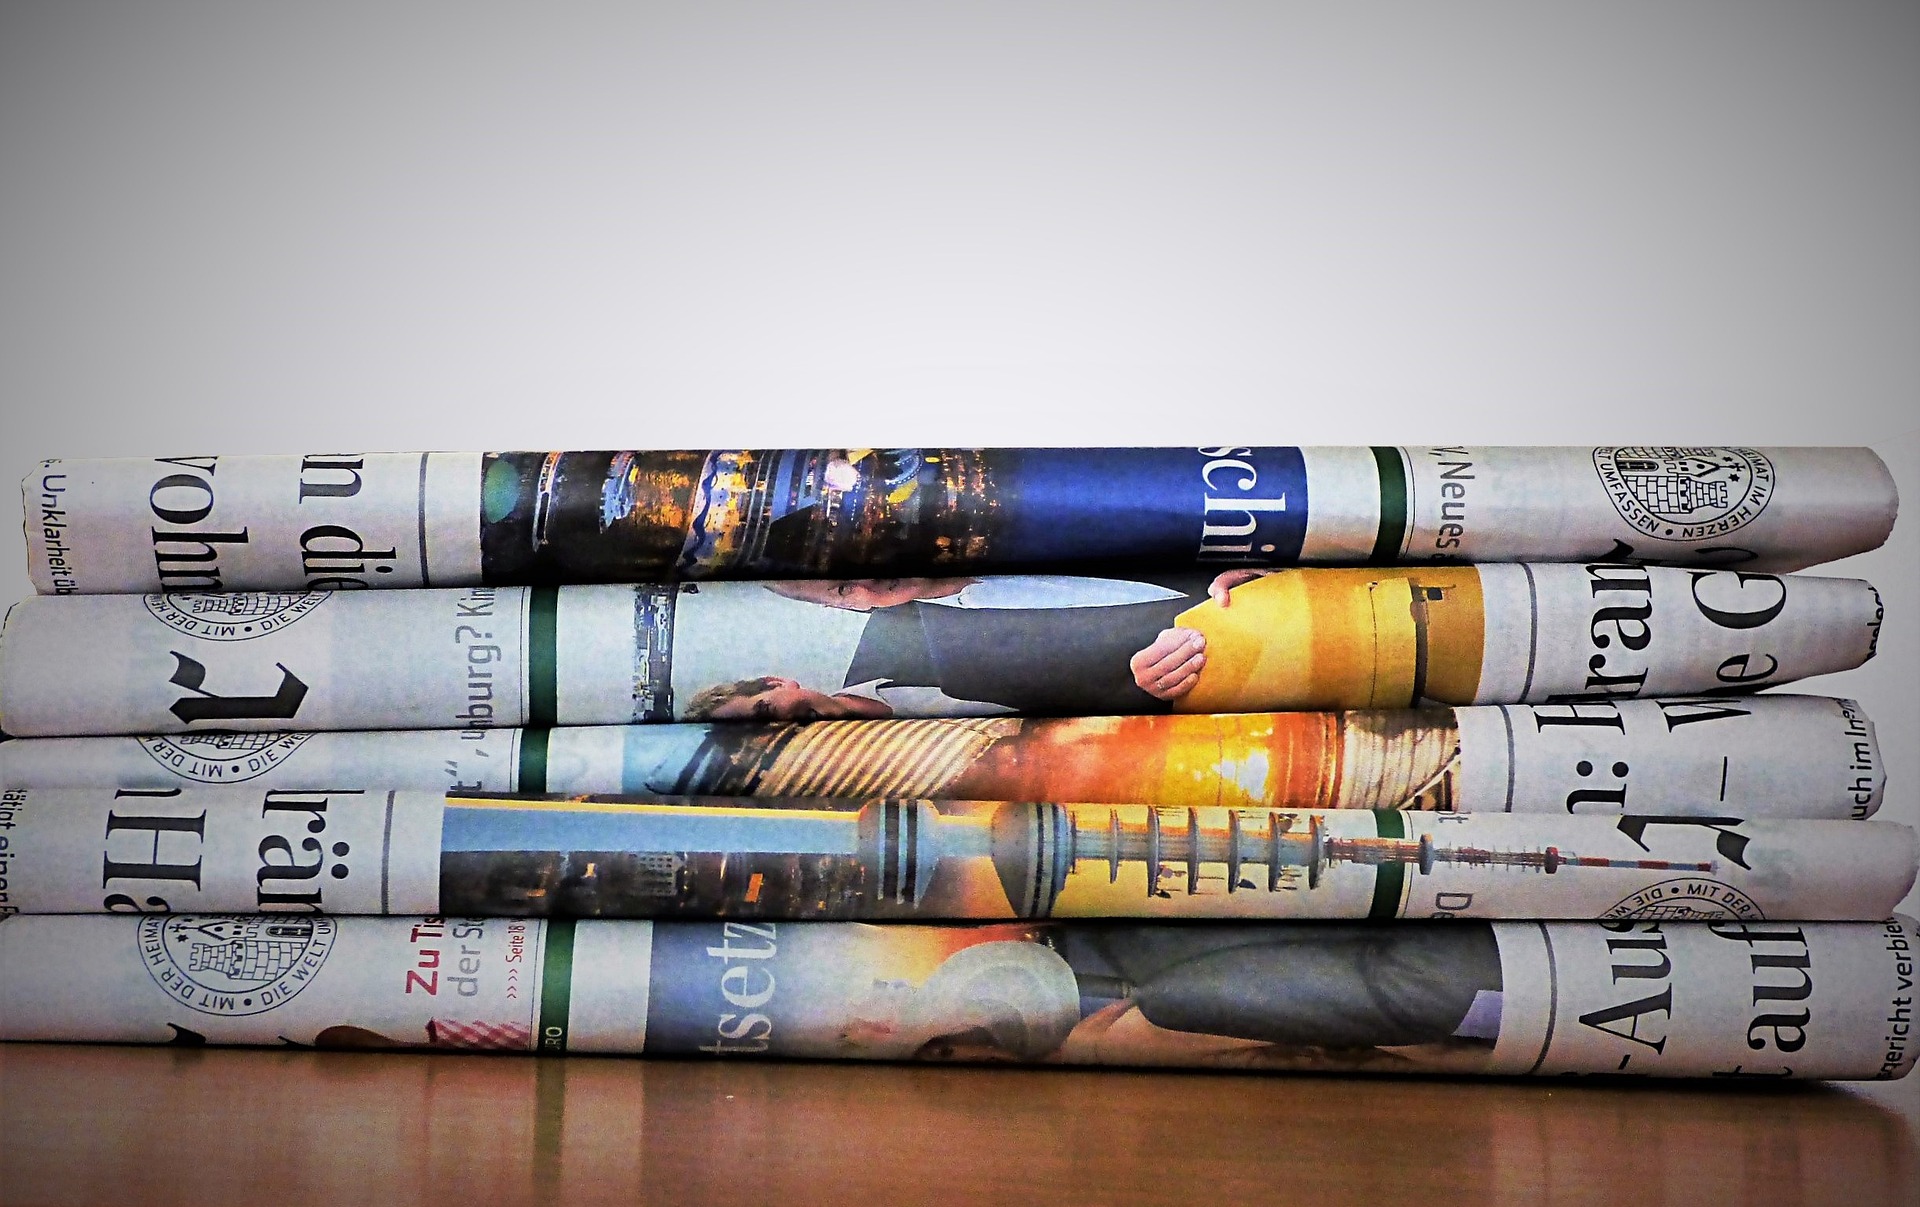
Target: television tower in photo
[
  {"x": 1029, "y": 840},
  {"x": 897, "y": 846}
]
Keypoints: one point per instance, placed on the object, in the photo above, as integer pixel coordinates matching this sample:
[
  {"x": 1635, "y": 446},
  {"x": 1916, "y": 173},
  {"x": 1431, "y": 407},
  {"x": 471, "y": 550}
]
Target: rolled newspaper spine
[
  {"x": 1753, "y": 756},
  {"x": 482, "y": 657},
  {"x": 238, "y": 849},
  {"x": 348, "y": 520},
  {"x": 1729, "y": 999}
]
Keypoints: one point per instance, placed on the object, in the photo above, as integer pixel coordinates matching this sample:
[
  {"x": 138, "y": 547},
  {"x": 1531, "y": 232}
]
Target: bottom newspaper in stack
[{"x": 1724, "y": 999}]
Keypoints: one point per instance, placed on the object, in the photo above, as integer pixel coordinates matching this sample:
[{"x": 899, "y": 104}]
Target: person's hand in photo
[
  {"x": 1218, "y": 590},
  {"x": 1168, "y": 669}
]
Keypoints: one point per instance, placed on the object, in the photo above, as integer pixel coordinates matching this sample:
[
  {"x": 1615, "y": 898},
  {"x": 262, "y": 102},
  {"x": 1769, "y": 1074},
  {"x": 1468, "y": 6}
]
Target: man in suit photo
[{"x": 1031, "y": 644}]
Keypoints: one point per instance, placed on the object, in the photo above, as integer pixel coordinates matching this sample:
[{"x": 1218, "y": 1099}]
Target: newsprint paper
[
  {"x": 1239, "y": 641},
  {"x": 1735, "y": 999},
  {"x": 1769, "y": 755},
  {"x": 327, "y": 521},
  {"x": 341, "y": 852}
]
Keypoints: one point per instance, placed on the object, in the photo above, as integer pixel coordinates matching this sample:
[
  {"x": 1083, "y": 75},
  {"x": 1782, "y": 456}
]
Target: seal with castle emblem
[
  {"x": 1687, "y": 899},
  {"x": 241, "y": 617},
  {"x": 234, "y": 966},
  {"x": 1673, "y": 493},
  {"x": 222, "y": 758}
]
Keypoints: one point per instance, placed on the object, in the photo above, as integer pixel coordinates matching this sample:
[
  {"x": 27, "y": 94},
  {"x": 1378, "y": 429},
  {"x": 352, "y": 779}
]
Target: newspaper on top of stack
[{"x": 327, "y": 521}]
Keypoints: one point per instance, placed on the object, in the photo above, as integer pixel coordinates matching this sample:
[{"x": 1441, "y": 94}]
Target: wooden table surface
[{"x": 109, "y": 1125}]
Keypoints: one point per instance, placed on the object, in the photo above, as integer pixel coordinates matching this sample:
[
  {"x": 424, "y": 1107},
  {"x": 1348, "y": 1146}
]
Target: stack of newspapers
[{"x": 1434, "y": 759}]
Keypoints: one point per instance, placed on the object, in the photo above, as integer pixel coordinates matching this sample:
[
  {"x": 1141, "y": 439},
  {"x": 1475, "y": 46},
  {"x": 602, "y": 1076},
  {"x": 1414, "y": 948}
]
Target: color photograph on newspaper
[
  {"x": 904, "y": 859},
  {"x": 1053, "y": 644},
  {"x": 747, "y": 513},
  {"x": 1407, "y": 998},
  {"x": 1405, "y": 759}
]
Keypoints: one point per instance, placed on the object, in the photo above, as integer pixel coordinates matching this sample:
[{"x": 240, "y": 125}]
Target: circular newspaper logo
[
  {"x": 232, "y": 966},
  {"x": 222, "y": 758},
  {"x": 1685, "y": 494},
  {"x": 1687, "y": 899},
  {"x": 233, "y": 617}
]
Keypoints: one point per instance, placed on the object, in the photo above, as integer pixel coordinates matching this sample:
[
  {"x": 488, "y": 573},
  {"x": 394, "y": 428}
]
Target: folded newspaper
[
  {"x": 1754, "y": 756},
  {"x": 1734, "y": 999},
  {"x": 343, "y": 852},
  {"x": 1240, "y": 641},
  {"x": 341, "y": 521}
]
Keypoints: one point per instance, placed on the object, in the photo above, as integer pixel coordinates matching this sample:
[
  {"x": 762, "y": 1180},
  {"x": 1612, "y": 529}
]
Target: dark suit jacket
[
  {"x": 1342, "y": 985},
  {"x": 1038, "y": 661}
]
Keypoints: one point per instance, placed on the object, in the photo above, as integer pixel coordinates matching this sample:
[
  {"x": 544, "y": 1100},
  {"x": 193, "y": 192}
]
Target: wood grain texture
[{"x": 94, "y": 1125}]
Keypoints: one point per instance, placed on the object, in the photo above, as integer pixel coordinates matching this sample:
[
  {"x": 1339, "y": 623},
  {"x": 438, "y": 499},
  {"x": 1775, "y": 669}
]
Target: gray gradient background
[{"x": 274, "y": 228}]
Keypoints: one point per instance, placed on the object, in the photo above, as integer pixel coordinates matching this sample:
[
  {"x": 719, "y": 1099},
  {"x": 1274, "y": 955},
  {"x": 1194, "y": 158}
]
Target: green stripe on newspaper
[
  {"x": 1393, "y": 505},
  {"x": 533, "y": 761},
  {"x": 543, "y": 617},
  {"x": 556, "y": 987},
  {"x": 1389, "y": 878}
]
